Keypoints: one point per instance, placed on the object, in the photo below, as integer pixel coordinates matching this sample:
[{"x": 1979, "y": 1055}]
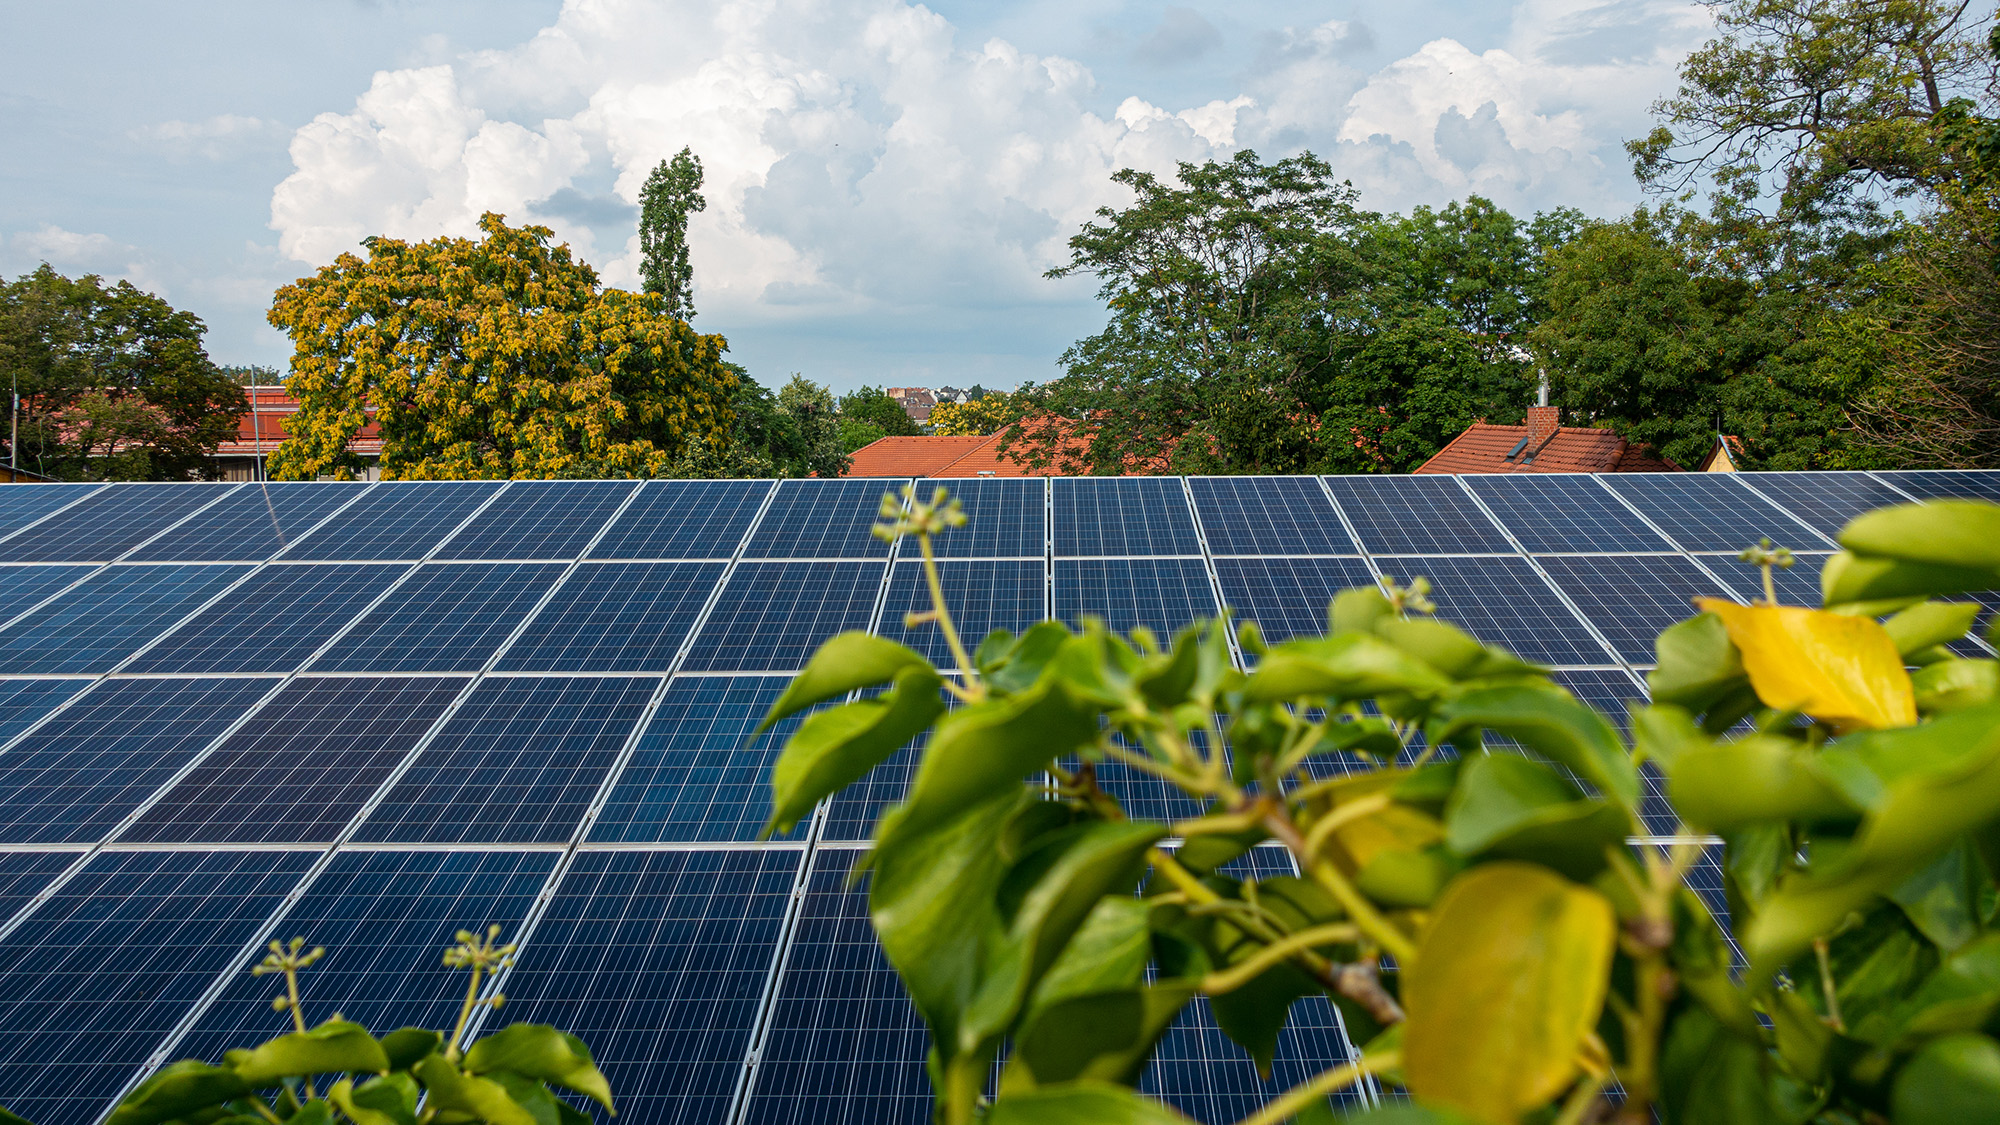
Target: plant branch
[
  {"x": 1247, "y": 970},
  {"x": 1288, "y": 1105}
]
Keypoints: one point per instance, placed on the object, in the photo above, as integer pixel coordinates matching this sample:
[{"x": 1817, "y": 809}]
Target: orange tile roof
[
  {"x": 912, "y": 456},
  {"x": 1484, "y": 448}
]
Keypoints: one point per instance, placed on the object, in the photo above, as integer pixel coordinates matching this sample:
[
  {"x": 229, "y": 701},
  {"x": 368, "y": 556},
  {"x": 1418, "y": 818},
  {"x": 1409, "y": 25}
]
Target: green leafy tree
[
  {"x": 671, "y": 194},
  {"x": 495, "y": 358},
  {"x": 873, "y": 406},
  {"x": 811, "y": 408},
  {"x": 114, "y": 382}
]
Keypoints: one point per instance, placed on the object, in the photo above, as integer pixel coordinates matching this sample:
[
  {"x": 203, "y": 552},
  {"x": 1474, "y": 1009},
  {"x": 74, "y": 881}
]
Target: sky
[{"x": 887, "y": 181}]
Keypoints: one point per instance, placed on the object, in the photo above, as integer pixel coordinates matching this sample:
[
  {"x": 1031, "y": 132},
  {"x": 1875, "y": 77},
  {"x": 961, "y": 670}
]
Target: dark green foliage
[{"x": 671, "y": 194}]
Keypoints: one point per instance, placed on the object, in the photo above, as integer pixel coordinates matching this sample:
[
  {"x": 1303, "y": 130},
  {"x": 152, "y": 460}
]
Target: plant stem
[
  {"x": 1320, "y": 1085},
  {"x": 1826, "y": 986},
  {"x": 1580, "y": 1100},
  {"x": 464, "y": 1014},
  {"x": 1371, "y": 921},
  {"x": 1346, "y": 814},
  {"x": 298, "y": 1017},
  {"x": 1770, "y": 587},
  {"x": 1243, "y": 972},
  {"x": 977, "y": 690}
]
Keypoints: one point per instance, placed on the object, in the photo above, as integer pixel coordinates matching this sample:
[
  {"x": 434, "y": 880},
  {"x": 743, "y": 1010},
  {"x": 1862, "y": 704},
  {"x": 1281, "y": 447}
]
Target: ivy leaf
[
  {"x": 1841, "y": 670},
  {"x": 1947, "y": 532},
  {"x": 543, "y": 1053},
  {"x": 177, "y": 1090},
  {"x": 1953, "y": 1080},
  {"x": 1723, "y": 786},
  {"x": 1928, "y": 624},
  {"x": 1552, "y": 723},
  {"x": 406, "y": 1045},
  {"x": 1081, "y": 1103},
  {"x": 388, "y": 1100},
  {"x": 1508, "y": 806},
  {"x": 837, "y": 747},
  {"x": 336, "y": 1046},
  {"x": 1348, "y": 666},
  {"x": 1510, "y": 976},
  {"x": 846, "y": 662},
  {"x": 484, "y": 1099},
  {"x": 1107, "y": 1036}
]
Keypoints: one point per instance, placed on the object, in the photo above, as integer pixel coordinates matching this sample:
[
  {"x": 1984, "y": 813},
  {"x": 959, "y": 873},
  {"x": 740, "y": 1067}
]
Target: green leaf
[
  {"x": 1661, "y": 733},
  {"x": 388, "y": 1100},
  {"x": 176, "y": 1090},
  {"x": 1954, "y": 685},
  {"x": 543, "y": 1053},
  {"x": 1723, "y": 786},
  {"x": 846, "y": 662},
  {"x": 406, "y": 1045},
  {"x": 1931, "y": 623},
  {"x": 9, "y": 1117},
  {"x": 1697, "y": 666},
  {"x": 1851, "y": 582},
  {"x": 1961, "y": 994},
  {"x": 1954, "y": 1080},
  {"x": 1357, "y": 610},
  {"x": 1405, "y": 1115},
  {"x": 835, "y": 748},
  {"x": 1410, "y": 878},
  {"x": 1166, "y": 683},
  {"x": 1508, "y": 806},
  {"x": 314, "y": 1112},
  {"x": 483, "y": 1098},
  {"x": 1552, "y": 723},
  {"x": 1081, "y": 1103},
  {"x": 530, "y": 1095},
  {"x": 1710, "y": 1075},
  {"x": 336, "y": 1046},
  {"x": 1108, "y": 1036},
  {"x": 1949, "y": 532},
  {"x": 1943, "y": 899},
  {"x": 1345, "y": 667},
  {"x": 1450, "y": 649},
  {"x": 1027, "y": 658},
  {"x": 1108, "y": 952}
]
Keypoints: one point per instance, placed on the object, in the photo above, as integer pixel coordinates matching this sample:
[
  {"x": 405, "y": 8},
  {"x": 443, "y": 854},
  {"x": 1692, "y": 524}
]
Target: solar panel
[
  {"x": 1825, "y": 501},
  {"x": 1123, "y": 516},
  {"x": 1142, "y": 795},
  {"x": 1561, "y": 512},
  {"x": 86, "y": 769},
  {"x": 1287, "y": 597},
  {"x": 110, "y": 523},
  {"x": 983, "y": 596},
  {"x": 23, "y": 504},
  {"x": 1268, "y": 516},
  {"x": 383, "y": 917},
  {"x": 279, "y": 616},
  {"x": 23, "y": 586},
  {"x": 398, "y": 519},
  {"x": 1935, "y": 484},
  {"x": 852, "y": 813},
  {"x": 539, "y": 519},
  {"x": 658, "y": 960},
  {"x": 1416, "y": 515},
  {"x": 449, "y": 617},
  {"x": 1706, "y": 512},
  {"x": 1008, "y": 518},
  {"x": 822, "y": 519},
  {"x": 302, "y": 766},
  {"x": 1614, "y": 695},
  {"x": 684, "y": 519},
  {"x": 696, "y": 775},
  {"x": 96, "y": 976},
  {"x": 1503, "y": 602},
  {"x": 1797, "y": 584},
  {"x": 615, "y": 617},
  {"x": 1630, "y": 598},
  {"x": 771, "y": 616},
  {"x": 24, "y": 702},
  {"x": 251, "y": 524},
  {"x": 517, "y": 763},
  {"x": 108, "y": 616},
  {"x": 23, "y": 875},
  {"x": 1161, "y": 594}
]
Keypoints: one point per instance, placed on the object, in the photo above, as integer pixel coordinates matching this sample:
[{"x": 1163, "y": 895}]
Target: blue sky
[{"x": 887, "y": 180}]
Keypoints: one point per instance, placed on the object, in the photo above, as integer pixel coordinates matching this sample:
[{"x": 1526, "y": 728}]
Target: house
[
  {"x": 1544, "y": 446},
  {"x": 932, "y": 456},
  {"x": 915, "y": 401},
  {"x": 1725, "y": 456},
  {"x": 260, "y": 431}
]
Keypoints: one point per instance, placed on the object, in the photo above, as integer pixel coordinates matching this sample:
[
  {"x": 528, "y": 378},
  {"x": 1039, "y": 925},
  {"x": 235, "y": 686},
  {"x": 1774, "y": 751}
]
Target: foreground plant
[{"x": 1483, "y": 918}]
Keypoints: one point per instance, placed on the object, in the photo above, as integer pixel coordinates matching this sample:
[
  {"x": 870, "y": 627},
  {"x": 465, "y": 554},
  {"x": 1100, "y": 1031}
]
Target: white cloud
[
  {"x": 221, "y": 137},
  {"x": 61, "y": 247}
]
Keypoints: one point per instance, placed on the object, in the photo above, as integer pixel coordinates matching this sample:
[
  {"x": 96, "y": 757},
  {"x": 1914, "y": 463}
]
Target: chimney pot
[{"x": 1542, "y": 423}]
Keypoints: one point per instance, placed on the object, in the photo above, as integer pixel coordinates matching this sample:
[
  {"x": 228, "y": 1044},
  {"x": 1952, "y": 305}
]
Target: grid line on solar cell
[
  {"x": 22, "y": 588},
  {"x": 684, "y": 519},
  {"x": 107, "y": 617},
  {"x": 983, "y": 595},
  {"x": 517, "y": 763},
  {"x": 1823, "y": 500},
  {"x": 273, "y": 622},
  {"x": 22, "y": 505},
  {"x": 1796, "y": 585},
  {"x": 658, "y": 960},
  {"x": 615, "y": 617},
  {"x": 1415, "y": 515},
  {"x": 1102, "y": 516},
  {"x": 396, "y": 520},
  {"x": 821, "y": 519},
  {"x": 1162, "y": 594},
  {"x": 1502, "y": 601},
  {"x": 25, "y": 875},
  {"x": 109, "y": 523},
  {"x": 251, "y": 524},
  {"x": 1631, "y": 598},
  {"x": 1706, "y": 512},
  {"x": 1268, "y": 516},
  {"x": 1005, "y": 518},
  {"x": 93, "y": 979},
  {"x": 1288, "y": 597},
  {"x": 447, "y": 617},
  {"x": 302, "y": 766},
  {"x": 770, "y": 616},
  {"x": 23, "y": 703},
  {"x": 82, "y": 772},
  {"x": 1945, "y": 484},
  {"x": 1559, "y": 512},
  {"x": 539, "y": 519}
]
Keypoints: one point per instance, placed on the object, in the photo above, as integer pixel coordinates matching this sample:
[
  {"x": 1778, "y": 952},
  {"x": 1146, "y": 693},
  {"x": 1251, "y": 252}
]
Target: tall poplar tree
[{"x": 671, "y": 194}]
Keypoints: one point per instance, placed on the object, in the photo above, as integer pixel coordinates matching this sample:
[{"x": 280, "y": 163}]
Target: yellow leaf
[
  {"x": 1841, "y": 670},
  {"x": 1509, "y": 976}
]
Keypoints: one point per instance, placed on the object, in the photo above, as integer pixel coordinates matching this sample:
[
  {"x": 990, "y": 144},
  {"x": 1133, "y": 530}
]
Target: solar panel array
[{"x": 371, "y": 714}]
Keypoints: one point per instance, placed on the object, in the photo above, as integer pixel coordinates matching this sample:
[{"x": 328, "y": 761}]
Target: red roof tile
[{"x": 1484, "y": 448}]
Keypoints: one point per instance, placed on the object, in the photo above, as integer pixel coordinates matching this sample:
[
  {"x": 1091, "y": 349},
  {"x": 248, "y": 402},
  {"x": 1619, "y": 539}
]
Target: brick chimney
[{"x": 1541, "y": 427}]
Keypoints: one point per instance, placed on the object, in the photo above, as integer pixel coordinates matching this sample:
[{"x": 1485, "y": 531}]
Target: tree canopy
[
  {"x": 671, "y": 194},
  {"x": 988, "y": 413}
]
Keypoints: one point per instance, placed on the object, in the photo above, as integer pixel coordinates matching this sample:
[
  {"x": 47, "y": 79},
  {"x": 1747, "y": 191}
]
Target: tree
[
  {"x": 671, "y": 194},
  {"x": 872, "y": 408},
  {"x": 114, "y": 382},
  {"x": 987, "y": 413},
  {"x": 495, "y": 358},
  {"x": 811, "y": 408}
]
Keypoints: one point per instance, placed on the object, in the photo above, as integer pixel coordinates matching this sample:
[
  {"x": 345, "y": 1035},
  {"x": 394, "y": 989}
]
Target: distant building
[
  {"x": 974, "y": 456},
  {"x": 1544, "y": 446},
  {"x": 260, "y": 431},
  {"x": 915, "y": 401},
  {"x": 1725, "y": 456}
]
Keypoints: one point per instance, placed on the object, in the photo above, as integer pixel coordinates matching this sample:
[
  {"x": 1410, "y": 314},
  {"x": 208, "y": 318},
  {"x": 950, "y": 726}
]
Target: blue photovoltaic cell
[
  {"x": 384, "y": 919},
  {"x": 1941, "y": 484},
  {"x": 845, "y": 1046},
  {"x": 87, "y": 768},
  {"x": 1561, "y": 512},
  {"x": 539, "y": 519},
  {"x": 23, "y": 504},
  {"x": 684, "y": 519},
  {"x": 1161, "y": 594},
  {"x": 1287, "y": 597},
  {"x": 1797, "y": 584},
  {"x": 1145, "y": 796},
  {"x": 1005, "y": 518},
  {"x": 23, "y": 586},
  {"x": 251, "y": 524},
  {"x": 302, "y": 766},
  {"x": 24, "y": 702},
  {"x": 822, "y": 519},
  {"x": 852, "y": 812},
  {"x": 1614, "y": 694},
  {"x": 1504, "y": 602},
  {"x": 982, "y": 595},
  {"x": 615, "y": 617},
  {"x": 449, "y": 617},
  {"x": 517, "y": 763},
  {"x": 1123, "y": 516},
  {"x": 697, "y": 774},
  {"x": 658, "y": 961},
  {"x": 23, "y": 875},
  {"x": 399, "y": 519},
  {"x": 105, "y": 618},
  {"x": 1630, "y": 598},
  {"x": 1827, "y": 501},
  {"x": 109, "y": 523},
  {"x": 99, "y": 974},
  {"x": 771, "y": 616},
  {"x": 1415, "y": 515},
  {"x": 1268, "y": 516},
  {"x": 1709, "y": 512},
  {"x": 279, "y": 616}
]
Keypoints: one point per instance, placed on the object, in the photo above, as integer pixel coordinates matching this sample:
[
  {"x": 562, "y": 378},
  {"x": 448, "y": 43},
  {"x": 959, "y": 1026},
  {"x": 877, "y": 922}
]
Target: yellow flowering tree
[
  {"x": 967, "y": 419},
  {"x": 495, "y": 358}
]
